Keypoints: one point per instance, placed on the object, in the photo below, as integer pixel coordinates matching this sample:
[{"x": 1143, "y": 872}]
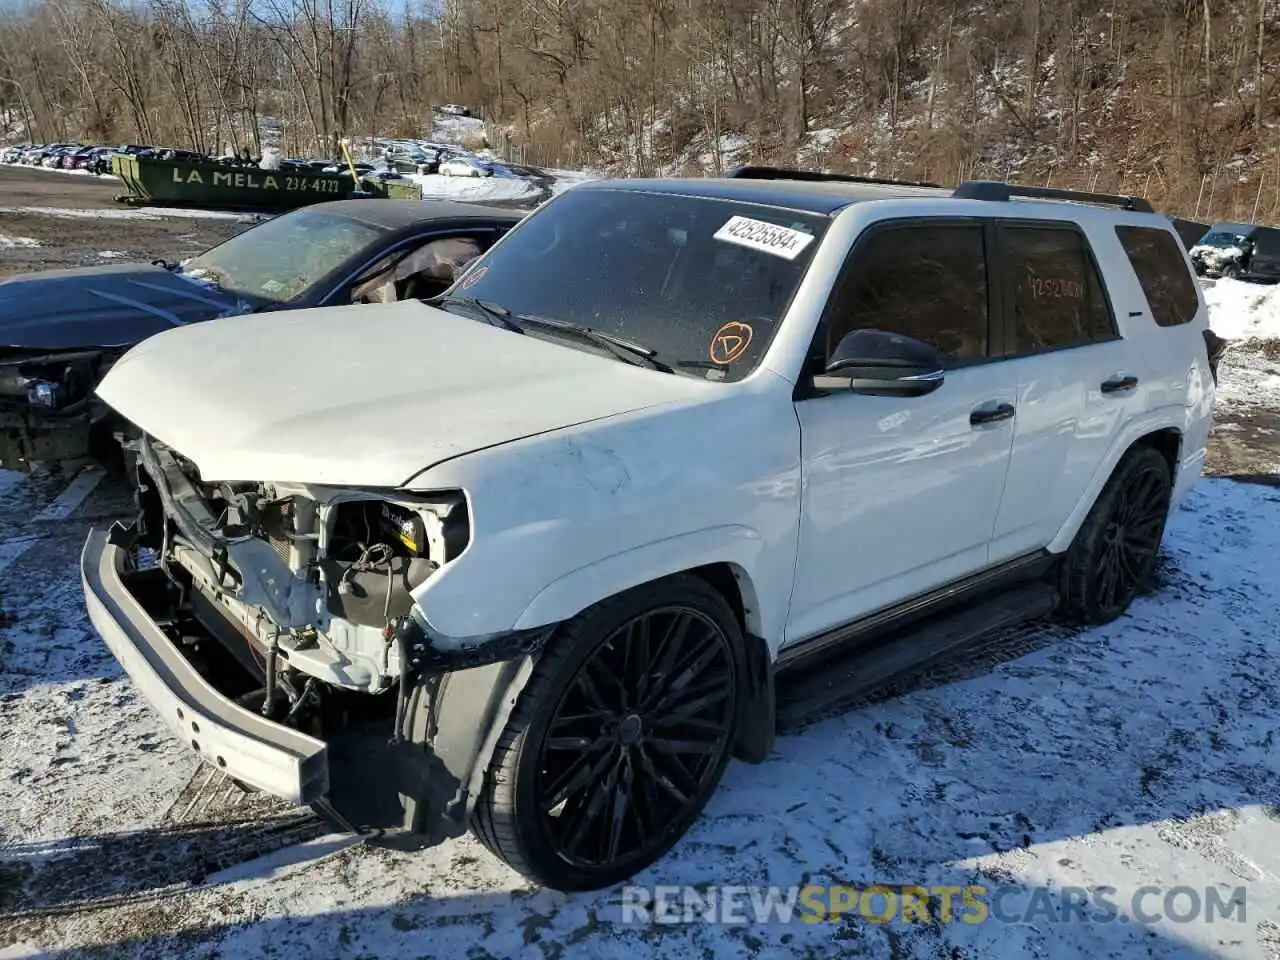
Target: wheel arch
[
  {"x": 460, "y": 716},
  {"x": 1152, "y": 431},
  {"x": 1168, "y": 442},
  {"x": 757, "y": 710},
  {"x": 723, "y": 556}
]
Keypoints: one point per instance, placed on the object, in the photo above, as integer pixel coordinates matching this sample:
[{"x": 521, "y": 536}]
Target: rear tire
[
  {"x": 619, "y": 739},
  {"x": 1117, "y": 547}
]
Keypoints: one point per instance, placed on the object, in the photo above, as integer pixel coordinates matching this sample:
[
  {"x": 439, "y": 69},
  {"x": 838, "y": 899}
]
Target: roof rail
[
  {"x": 997, "y": 191},
  {"x": 783, "y": 173}
]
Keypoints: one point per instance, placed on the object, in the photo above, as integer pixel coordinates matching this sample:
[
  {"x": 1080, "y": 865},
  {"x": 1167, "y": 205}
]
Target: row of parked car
[
  {"x": 398, "y": 158},
  {"x": 97, "y": 158},
  {"x": 69, "y": 156},
  {"x": 429, "y": 157}
]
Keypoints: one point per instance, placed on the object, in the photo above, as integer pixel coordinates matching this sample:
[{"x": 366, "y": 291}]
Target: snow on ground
[
  {"x": 1250, "y": 378},
  {"x": 1240, "y": 311},
  {"x": 1133, "y": 755},
  {"x": 14, "y": 242},
  {"x": 112, "y": 254},
  {"x": 129, "y": 213},
  {"x": 74, "y": 173},
  {"x": 437, "y": 187},
  {"x": 1249, "y": 314},
  {"x": 447, "y": 128},
  {"x": 567, "y": 179}
]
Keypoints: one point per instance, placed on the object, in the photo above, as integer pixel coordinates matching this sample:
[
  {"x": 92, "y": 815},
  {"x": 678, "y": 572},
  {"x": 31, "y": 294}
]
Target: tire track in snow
[{"x": 69, "y": 500}]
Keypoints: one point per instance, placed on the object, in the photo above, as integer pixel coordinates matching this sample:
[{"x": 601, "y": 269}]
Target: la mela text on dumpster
[{"x": 241, "y": 179}]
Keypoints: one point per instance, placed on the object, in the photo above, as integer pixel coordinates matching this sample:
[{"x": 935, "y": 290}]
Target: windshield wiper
[
  {"x": 494, "y": 311},
  {"x": 629, "y": 351}
]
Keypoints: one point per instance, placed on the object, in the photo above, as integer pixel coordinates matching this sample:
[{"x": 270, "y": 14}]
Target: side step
[{"x": 817, "y": 689}]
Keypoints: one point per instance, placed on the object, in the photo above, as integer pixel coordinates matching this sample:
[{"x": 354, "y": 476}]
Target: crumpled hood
[
  {"x": 367, "y": 395},
  {"x": 116, "y": 305}
]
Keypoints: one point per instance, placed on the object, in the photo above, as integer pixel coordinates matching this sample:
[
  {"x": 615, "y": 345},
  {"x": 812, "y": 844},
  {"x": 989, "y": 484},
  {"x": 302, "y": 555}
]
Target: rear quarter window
[{"x": 1162, "y": 272}]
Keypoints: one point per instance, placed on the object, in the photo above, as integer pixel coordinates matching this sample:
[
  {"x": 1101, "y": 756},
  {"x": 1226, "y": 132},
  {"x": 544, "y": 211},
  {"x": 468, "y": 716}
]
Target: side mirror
[{"x": 883, "y": 364}]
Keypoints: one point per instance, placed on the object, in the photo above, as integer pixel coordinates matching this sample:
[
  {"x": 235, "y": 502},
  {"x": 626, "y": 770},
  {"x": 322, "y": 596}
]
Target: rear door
[{"x": 1078, "y": 381}]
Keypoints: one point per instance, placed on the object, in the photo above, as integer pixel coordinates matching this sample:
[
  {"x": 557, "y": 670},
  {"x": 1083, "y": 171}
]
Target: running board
[{"x": 819, "y": 688}]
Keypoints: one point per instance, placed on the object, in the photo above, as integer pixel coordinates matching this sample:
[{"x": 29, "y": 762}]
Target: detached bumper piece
[{"x": 244, "y": 745}]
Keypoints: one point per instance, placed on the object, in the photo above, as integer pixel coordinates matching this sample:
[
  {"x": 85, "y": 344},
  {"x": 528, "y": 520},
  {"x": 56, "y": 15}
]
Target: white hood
[{"x": 366, "y": 395}]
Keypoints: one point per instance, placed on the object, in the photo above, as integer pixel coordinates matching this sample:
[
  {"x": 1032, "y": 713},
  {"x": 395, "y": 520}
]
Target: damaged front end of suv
[{"x": 290, "y": 651}]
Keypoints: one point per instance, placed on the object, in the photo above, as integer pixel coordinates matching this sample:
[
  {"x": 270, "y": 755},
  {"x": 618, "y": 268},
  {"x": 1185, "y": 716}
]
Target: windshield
[
  {"x": 284, "y": 257},
  {"x": 702, "y": 282}
]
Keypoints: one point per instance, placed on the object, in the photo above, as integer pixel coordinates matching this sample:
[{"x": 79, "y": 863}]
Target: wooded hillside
[{"x": 1175, "y": 98}]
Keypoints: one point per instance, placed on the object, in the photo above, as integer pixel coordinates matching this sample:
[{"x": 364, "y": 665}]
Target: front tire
[
  {"x": 1117, "y": 547},
  {"x": 619, "y": 739}
]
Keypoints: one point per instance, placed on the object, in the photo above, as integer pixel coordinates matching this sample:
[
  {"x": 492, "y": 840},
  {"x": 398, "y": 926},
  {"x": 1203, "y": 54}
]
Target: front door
[{"x": 901, "y": 494}]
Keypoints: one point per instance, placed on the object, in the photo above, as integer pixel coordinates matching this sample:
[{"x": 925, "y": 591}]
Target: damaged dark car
[{"x": 62, "y": 330}]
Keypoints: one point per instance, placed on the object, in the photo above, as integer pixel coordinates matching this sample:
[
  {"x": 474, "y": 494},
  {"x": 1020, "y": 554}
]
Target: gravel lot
[
  {"x": 1136, "y": 754},
  {"x": 75, "y": 222}
]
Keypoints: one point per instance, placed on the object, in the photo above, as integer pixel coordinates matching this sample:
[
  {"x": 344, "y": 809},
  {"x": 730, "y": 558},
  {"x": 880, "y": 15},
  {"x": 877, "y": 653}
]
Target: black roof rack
[
  {"x": 995, "y": 190},
  {"x": 813, "y": 176}
]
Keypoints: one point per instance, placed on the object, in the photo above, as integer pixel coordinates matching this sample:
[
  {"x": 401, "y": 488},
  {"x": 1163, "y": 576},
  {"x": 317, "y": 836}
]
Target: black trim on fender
[
  {"x": 757, "y": 704},
  {"x": 426, "y": 657},
  {"x": 441, "y": 753}
]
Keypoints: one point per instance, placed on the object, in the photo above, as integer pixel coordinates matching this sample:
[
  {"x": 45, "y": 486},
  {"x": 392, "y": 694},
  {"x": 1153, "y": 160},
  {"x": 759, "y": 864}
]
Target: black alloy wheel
[
  {"x": 636, "y": 737},
  {"x": 1116, "y": 550},
  {"x": 619, "y": 738},
  {"x": 1131, "y": 541}
]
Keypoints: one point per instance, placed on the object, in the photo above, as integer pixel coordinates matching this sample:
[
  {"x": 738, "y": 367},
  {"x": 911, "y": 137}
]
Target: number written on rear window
[
  {"x": 1056, "y": 294},
  {"x": 1162, "y": 272}
]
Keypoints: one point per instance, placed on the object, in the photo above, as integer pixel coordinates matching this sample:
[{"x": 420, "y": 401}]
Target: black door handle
[
  {"x": 1001, "y": 411},
  {"x": 1117, "y": 384}
]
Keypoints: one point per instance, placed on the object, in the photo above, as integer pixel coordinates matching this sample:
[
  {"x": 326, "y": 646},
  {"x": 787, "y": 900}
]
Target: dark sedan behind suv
[{"x": 61, "y": 330}]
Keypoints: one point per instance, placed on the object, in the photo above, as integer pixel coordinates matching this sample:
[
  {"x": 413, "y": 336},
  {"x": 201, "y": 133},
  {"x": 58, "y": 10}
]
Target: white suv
[{"x": 534, "y": 557}]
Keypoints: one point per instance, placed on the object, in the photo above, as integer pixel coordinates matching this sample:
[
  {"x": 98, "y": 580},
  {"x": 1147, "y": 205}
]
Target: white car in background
[{"x": 465, "y": 167}]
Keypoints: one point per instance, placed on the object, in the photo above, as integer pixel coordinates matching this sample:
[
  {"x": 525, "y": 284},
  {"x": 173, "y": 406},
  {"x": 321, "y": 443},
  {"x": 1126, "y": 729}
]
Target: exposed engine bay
[
  {"x": 296, "y": 603},
  {"x": 303, "y": 585}
]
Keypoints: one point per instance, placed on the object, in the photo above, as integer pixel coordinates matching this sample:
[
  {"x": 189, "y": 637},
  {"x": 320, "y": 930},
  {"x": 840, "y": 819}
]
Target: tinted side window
[
  {"x": 1157, "y": 260},
  {"x": 1056, "y": 294},
  {"x": 926, "y": 282}
]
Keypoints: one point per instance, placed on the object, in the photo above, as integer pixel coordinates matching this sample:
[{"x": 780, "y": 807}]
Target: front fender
[{"x": 738, "y": 545}]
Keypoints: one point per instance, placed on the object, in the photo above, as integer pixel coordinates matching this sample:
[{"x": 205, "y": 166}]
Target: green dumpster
[{"x": 175, "y": 183}]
